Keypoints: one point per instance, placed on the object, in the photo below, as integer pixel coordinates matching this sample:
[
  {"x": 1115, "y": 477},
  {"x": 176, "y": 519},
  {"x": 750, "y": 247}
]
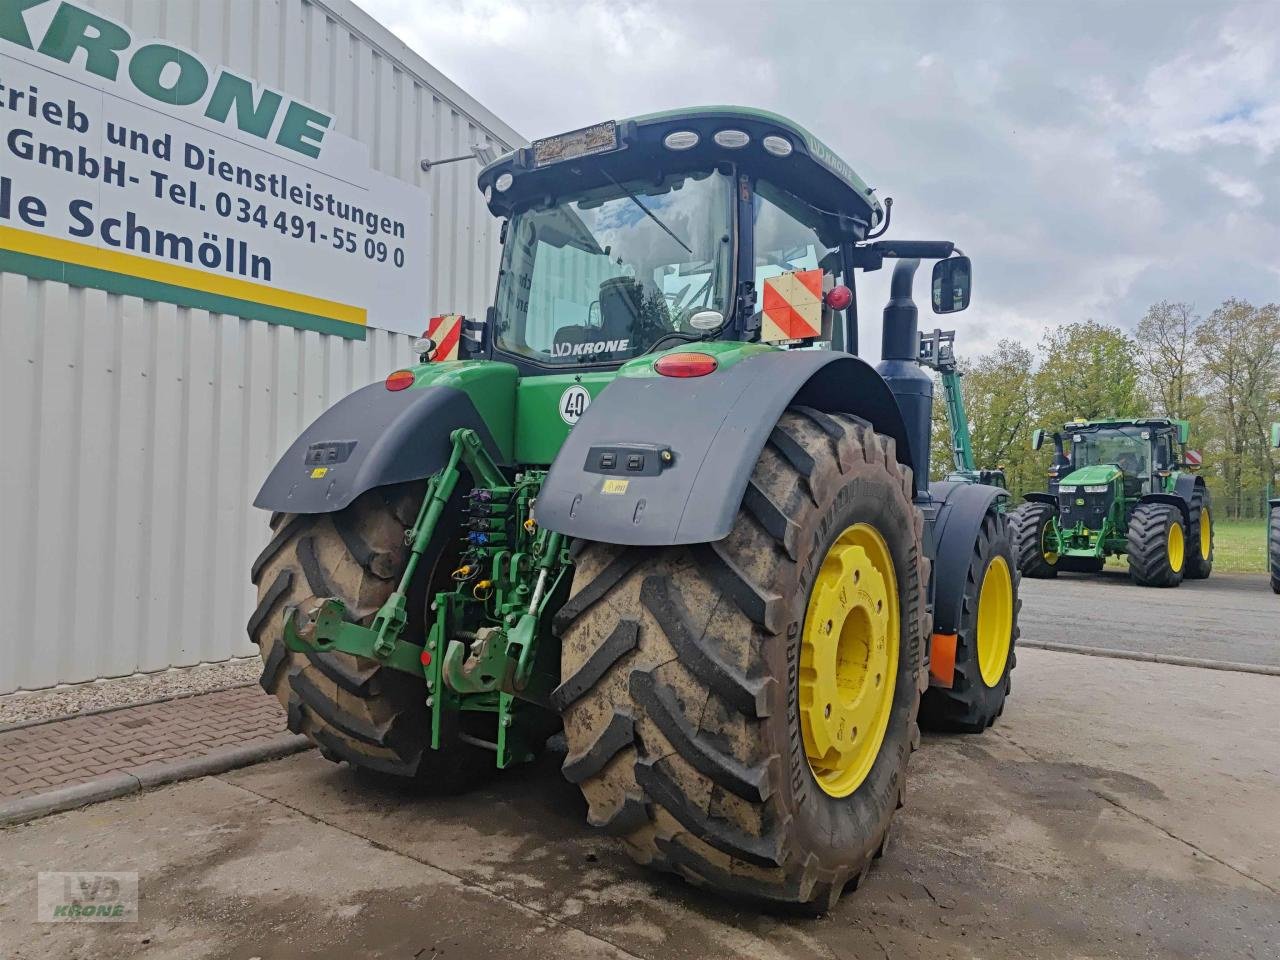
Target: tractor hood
[{"x": 1095, "y": 475}]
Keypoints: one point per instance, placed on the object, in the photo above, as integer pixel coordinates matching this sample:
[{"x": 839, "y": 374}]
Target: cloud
[{"x": 1091, "y": 157}]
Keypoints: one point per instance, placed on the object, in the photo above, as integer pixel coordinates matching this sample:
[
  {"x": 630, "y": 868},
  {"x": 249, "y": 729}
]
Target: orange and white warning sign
[
  {"x": 446, "y": 331},
  {"x": 792, "y": 306}
]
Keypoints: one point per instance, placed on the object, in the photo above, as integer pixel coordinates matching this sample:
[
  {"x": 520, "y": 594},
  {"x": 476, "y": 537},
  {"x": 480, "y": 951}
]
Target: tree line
[{"x": 1221, "y": 372}]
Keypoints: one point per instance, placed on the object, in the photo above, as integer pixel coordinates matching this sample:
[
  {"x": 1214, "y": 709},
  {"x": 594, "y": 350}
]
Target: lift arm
[{"x": 937, "y": 352}]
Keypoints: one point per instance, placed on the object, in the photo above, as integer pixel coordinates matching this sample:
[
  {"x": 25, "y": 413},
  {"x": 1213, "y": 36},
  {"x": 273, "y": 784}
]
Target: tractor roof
[
  {"x": 643, "y": 146},
  {"x": 1182, "y": 426}
]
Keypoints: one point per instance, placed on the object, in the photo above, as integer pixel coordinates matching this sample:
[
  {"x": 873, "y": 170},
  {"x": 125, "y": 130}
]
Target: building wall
[{"x": 135, "y": 433}]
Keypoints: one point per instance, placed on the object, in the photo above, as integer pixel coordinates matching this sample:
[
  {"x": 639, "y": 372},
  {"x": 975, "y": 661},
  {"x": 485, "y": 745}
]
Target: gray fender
[
  {"x": 956, "y": 523},
  {"x": 371, "y": 438},
  {"x": 714, "y": 427},
  {"x": 1048, "y": 498}
]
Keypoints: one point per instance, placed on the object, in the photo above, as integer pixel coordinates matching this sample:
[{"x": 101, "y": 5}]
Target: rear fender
[
  {"x": 955, "y": 530},
  {"x": 375, "y": 437},
  {"x": 699, "y": 439}
]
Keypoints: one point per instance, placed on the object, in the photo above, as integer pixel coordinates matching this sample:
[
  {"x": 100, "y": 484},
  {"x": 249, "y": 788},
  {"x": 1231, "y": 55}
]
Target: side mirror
[
  {"x": 1037, "y": 439},
  {"x": 952, "y": 280}
]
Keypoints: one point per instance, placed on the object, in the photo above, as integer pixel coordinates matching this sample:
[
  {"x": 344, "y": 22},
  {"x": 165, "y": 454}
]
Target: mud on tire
[
  {"x": 969, "y": 705},
  {"x": 353, "y": 708},
  {"x": 680, "y": 677}
]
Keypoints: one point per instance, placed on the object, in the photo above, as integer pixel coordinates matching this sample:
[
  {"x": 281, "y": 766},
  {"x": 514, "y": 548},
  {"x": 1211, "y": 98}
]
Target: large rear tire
[
  {"x": 1273, "y": 547},
  {"x": 353, "y": 708},
  {"x": 985, "y": 640},
  {"x": 1200, "y": 537},
  {"x": 705, "y": 687},
  {"x": 1031, "y": 523},
  {"x": 1157, "y": 545}
]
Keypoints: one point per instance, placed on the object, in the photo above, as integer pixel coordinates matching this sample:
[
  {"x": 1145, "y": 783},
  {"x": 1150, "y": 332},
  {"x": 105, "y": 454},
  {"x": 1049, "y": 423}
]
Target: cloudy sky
[{"x": 1091, "y": 157}]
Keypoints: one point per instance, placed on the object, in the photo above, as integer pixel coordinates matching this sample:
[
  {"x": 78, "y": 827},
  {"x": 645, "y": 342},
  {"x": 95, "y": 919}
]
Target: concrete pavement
[
  {"x": 1118, "y": 809},
  {"x": 1230, "y": 616}
]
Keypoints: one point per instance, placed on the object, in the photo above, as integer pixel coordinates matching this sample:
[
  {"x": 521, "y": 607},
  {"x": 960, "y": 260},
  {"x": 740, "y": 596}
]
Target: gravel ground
[{"x": 123, "y": 691}]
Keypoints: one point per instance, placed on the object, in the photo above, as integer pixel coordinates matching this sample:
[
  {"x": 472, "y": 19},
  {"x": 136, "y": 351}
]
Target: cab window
[{"x": 788, "y": 238}]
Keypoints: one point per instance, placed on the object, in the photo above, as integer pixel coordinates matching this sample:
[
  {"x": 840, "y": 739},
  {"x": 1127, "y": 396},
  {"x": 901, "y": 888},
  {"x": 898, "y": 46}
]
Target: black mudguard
[
  {"x": 1048, "y": 498},
  {"x": 714, "y": 427},
  {"x": 371, "y": 438},
  {"x": 957, "y": 519}
]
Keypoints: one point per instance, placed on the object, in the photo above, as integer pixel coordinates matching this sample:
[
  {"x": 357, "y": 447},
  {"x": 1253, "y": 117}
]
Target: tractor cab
[
  {"x": 720, "y": 223},
  {"x": 1141, "y": 454}
]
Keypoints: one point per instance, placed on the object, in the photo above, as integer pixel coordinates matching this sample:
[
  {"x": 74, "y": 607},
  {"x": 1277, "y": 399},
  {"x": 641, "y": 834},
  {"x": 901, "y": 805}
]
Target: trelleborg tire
[
  {"x": 354, "y": 708},
  {"x": 1156, "y": 545},
  {"x": 1200, "y": 536},
  {"x": 1030, "y": 523},
  {"x": 712, "y": 692},
  {"x": 985, "y": 640}
]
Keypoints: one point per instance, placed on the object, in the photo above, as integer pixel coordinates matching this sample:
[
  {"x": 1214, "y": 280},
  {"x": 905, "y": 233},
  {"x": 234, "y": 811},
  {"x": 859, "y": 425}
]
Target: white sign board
[{"x": 131, "y": 165}]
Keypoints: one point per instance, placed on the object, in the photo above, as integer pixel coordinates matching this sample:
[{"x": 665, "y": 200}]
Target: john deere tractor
[
  {"x": 937, "y": 352},
  {"x": 1123, "y": 490},
  {"x": 654, "y": 498}
]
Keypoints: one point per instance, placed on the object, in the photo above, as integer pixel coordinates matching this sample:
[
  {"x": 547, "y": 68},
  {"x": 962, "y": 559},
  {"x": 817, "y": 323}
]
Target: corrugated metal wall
[{"x": 135, "y": 434}]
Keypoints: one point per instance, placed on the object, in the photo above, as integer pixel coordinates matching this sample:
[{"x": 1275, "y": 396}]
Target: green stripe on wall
[{"x": 42, "y": 268}]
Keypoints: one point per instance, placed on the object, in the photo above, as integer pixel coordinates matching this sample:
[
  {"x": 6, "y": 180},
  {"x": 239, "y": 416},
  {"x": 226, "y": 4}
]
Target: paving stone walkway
[{"x": 63, "y": 753}]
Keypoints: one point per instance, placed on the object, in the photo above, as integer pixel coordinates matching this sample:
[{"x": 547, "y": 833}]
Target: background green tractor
[
  {"x": 937, "y": 352},
  {"x": 1273, "y": 524},
  {"x": 655, "y": 498},
  {"x": 1124, "y": 489}
]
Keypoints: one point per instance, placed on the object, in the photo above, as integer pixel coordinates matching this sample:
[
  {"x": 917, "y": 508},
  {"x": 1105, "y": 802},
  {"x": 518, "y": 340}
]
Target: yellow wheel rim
[
  {"x": 849, "y": 659},
  {"x": 995, "y": 620},
  {"x": 1176, "y": 546},
  {"x": 1050, "y": 556},
  {"x": 1206, "y": 533}
]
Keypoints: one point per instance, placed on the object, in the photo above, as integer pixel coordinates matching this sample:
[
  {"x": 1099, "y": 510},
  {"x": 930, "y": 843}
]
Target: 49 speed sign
[{"x": 573, "y": 402}]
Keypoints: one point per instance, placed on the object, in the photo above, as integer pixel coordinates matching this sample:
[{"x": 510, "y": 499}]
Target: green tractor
[
  {"x": 1125, "y": 489},
  {"x": 937, "y": 352},
  {"x": 656, "y": 500},
  {"x": 1273, "y": 524}
]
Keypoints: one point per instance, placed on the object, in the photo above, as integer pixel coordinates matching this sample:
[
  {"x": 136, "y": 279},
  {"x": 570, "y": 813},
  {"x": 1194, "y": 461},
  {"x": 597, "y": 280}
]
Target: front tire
[
  {"x": 704, "y": 685},
  {"x": 1032, "y": 526},
  {"x": 985, "y": 640},
  {"x": 355, "y": 709},
  {"x": 1156, "y": 545}
]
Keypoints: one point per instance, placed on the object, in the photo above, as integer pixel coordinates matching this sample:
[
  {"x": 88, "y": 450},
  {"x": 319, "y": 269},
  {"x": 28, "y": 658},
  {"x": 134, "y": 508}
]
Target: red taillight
[
  {"x": 685, "y": 365},
  {"x": 839, "y": 297},
  {"x": 400, "y": 379}
]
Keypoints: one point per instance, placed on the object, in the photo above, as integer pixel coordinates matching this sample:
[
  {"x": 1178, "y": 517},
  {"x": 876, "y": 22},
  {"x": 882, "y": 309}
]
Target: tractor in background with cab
[
  {"x": 1124, "y": 489},
  {"x": 656, "y": 499}
]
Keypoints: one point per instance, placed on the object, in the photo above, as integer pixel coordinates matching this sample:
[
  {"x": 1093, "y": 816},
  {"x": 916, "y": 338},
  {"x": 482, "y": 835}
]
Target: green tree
[
  {"x": 1169, "y": 360},
  {"x": 1087, "y": 369},
  {"x": 1240, "y": 348}
]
